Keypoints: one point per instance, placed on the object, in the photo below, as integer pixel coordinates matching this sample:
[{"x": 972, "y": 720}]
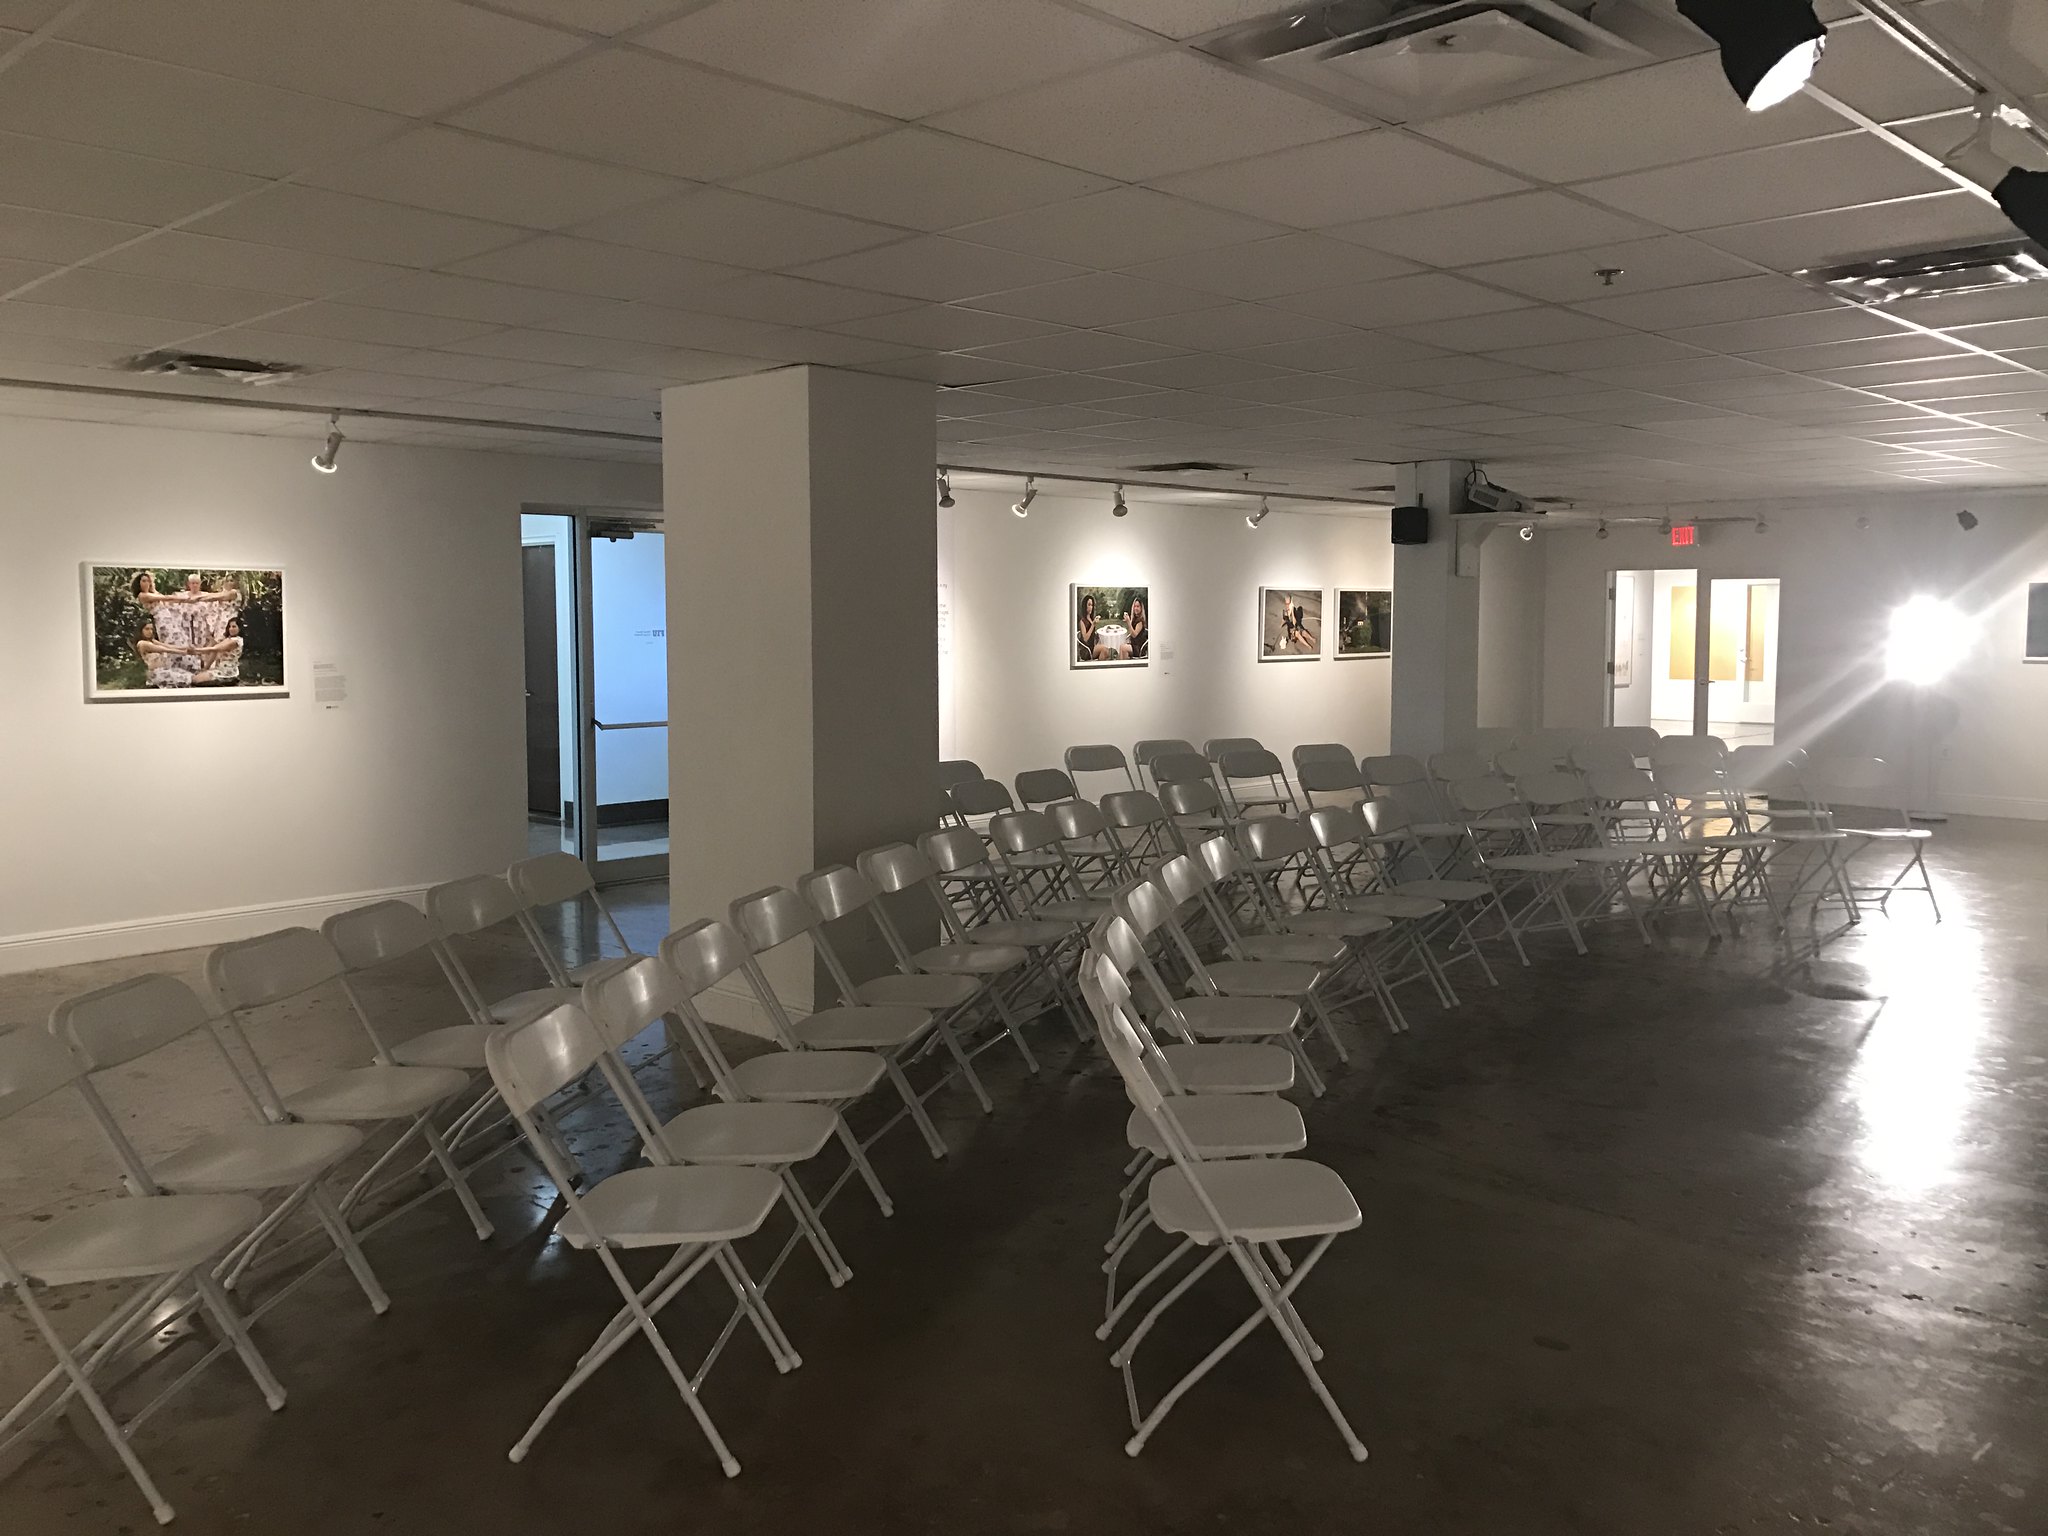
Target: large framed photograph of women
[
  {"x": 183, "y": 632},
  {"x": 1109, "y": 626}
]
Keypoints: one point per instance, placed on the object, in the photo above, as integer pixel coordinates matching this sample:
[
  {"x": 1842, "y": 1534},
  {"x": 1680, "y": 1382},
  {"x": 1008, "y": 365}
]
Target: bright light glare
[
  {"x": 1926, "y": 640},
  {"x": 1785, "y": 77}
]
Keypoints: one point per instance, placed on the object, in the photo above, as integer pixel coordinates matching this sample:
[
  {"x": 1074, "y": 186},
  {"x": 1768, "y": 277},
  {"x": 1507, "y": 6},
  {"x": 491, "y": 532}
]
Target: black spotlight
[
  {"x": 2024, "y": 197},
  {"x": 1768, "y": 47},
  {"x": 1967, "y": 520}
]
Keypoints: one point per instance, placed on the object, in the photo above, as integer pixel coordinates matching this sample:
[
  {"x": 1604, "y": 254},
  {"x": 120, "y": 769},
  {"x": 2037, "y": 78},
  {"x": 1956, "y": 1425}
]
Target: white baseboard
[
  {"x": 2019, "y": 808},
  {"x": 187, "y": 930}
]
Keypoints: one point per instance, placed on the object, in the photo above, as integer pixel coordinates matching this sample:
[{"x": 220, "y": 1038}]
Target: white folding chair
[
  {"x": 1234, "y": 1210},
  {"x": 697, "y": 1212},
  {"x": 1499, "y": 833},
  {"x": 132, "y": 1020},
  {"x": 1255, "y": 783},
  {"x": 1139, "y": 826},
  {"x": 1567, "y": 824},
  {"x": 1370, "y": 853},
  {"x": 1039, "y": 787},
  {"x": 1147, "y": 752},
  {"x": 170, "y": 1241},
  {"x": 1084, "y": 833},
  {"x": 563, "y": 881},
  {"x": 1101, "y": 757},
  {"x": 1328, "y": 768},
  {"x": 1871, "y": 783}
]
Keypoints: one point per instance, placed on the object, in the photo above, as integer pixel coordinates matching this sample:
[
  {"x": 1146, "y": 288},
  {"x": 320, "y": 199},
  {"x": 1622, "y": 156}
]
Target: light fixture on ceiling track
[
  {"x": 1600, "y": 531},
  {"x": 2021, "y": 195},
  {"x": 324, "y": 459},
  {"x": 1761, "y": 525},
  {"x": 1253, "y": 519},
  {"x": 1120, "y": 507},
  {"x": 945, "y": 490},
  {"x": 1527, "y": 532},
  {"x": 1967, "y": 520},
  {"x": 1022, "y": 506},
  {"x": 1768, "y": 47}
]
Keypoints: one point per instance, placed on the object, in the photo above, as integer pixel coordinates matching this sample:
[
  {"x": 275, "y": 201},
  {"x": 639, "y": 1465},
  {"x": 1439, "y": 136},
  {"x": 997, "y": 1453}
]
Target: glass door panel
[
  {"x": 628, "y": 655},
  {"x": 1742, "y": 675}
]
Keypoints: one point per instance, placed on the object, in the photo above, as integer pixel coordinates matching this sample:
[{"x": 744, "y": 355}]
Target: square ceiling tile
[
  {"x": 466, "y": 298},
  {"x": 1403, "y": 301},
  {"x": 1741, "y": 298},
  {"x": 331, "y": 223},
  {"x": 1608, "y": 352},
  {"x": 1148, "y": 117},
  {"x": 1817, "y": 332},
  {"x": 946, "y": 328},
  {"x": 554, "y": 347},
  {"x": 1184, "y": 18},
  {"x": 390, "y": 54},
  {"x": 1854, "y": 234},
  {"x": 905, "y": 58},
  {"x": 1356, "y": 350},
  {"x": 455, "y": 172},
  {"x": 158, "y": 298},
  {"x": 570, "y": 265},
  {"x": 1630, "y": 121},
  {"x": 457, "y": 366},
  {"x": 781, "y": 300},
  {"x": 184, "y": 257},
  {"x": 1230, "y": 328},
  {"x": 1075, "y": 350},
  {"x": 716, "y": 224},
  {"x": 1840, "y": 172},
  {"x": 36, "y": 234},
  {"x": 1275, "y": 268},
  {"x": 108, "y": 184},
  {"x": 1663, "y": 261},
  {"x": 1117, "y": 228},
  {"x": 923, "y": 180},
  {"x": 1096, "y": 299},
  {"x": 655, "y": 114},
  {"x": 1498, "y": 229},
  {"x": 937, "y": 269},
  {"x": 1340, "y": 181},
  {"x": 25, "y": 317},
  {"x": 383, "y": 327},
  {"x": 1194, "y": 372},
  {"x": 1515, "y": 328},
  {"x": 1869, "y": 70},
  {"x": 1079, "y": 389},
  {"x": 103, "y": 99},
  {"x": 603, "y": 18}
]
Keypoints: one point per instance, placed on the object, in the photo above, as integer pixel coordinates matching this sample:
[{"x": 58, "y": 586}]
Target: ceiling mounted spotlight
[
  {"x": 1600, "y": 532},
  {"x": 1527, "y": 532},
  {"x": 1762, "y": 526},
  {"x": 945, "y": 490},
  {"x": 2021, "y": 195},
  {"x": 1768, "y": 47},
  {"x": 1120, "y": 507},
  {"x": 1253, "y": 519},
  {"x": 324, "y": 459},
  {"x": 1966, "y": 520},
  {"x": 1863, "y": 522},
  {"x": 1022, "y": 507}
]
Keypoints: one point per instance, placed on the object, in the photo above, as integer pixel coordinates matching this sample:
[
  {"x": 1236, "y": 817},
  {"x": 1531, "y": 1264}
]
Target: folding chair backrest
[
  {"x": 771, "y": 917},
  {"x": 836, "y": 891},
  {"x": 1602, "y": 752},
  {"x": 1328, "y": 776},
  {"x": 379, "y": 933},
  {"x": 1858, "y": 776},
  {"x": 1042, "y": 786},
  {"x": 473, "y": 904},
  {"x": 1689, "y": 781},
  {"x": 531, "y": 1062},
  {"x": 1623, "y": 786},
  {"x": 1270, "y": 838},
  {"x": 1148, "y": 752},
  {"x": 703, "y": 954},
  {"x": 980, "y": 797},
  {"x": 1218, "y": 859},
  {"x": 1216, "y": 748},
  {"x": 954, "y": 849},
  {"x": 1120, "y": 942},
  {"x": 1384, "y": 817},
  {"x": 1451, "y": 767},
  {"x": 1023, "y": 832},
  {"x": 959, "y": 770},
  {"x": 1251, "y": 763},
  {"x": 1324, "y": 752},
  {"x": 1395, "y": 772},
  {"x": 1551, "y": 788},
  {"x": 271, "y": 968},
  {"x": 127, "y": 1020},
  {"x": 1337, "y": 826},
  {"x": 1132, "y": 808},
  {"x": 1145, "y": 906},
  {"x": 1180, "y": 768},
  {"x": 1523, "y": 762},
  {"x": 1185, "y": 877},
  {"x": 1757, "y": 769},
  {"x": 1099, "y": 757},
  {"x": 1676, "y": 750},
  {"x": 1076, "y": 820},
  {"x": 624, "y": 1002},
  {"x": 33, "y": 1065},
  {"x": 898, "y": 866},
  {"x": 1477, "y": 796},
  {"x": 1194, "y": 797},
  {"x": 549, "y": 878},
  {"x": 1553, "y": 743},
  {"x": 1640, "y": 739}
]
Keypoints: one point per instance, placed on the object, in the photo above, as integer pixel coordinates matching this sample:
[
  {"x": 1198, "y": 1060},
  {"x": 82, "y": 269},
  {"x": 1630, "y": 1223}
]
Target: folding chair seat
[
  {"x": 114, "y": 1026},
  {"x": 698, "y": 1212},
  {"x": 1039, "y": 787},
  {"x": 171, "y": 1241}
]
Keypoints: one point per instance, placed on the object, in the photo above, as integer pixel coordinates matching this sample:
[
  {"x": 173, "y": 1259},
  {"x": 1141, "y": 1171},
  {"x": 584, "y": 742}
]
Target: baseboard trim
[
  {"x": 2014, "y": 807},
  {"x": 186, "y": 930}
]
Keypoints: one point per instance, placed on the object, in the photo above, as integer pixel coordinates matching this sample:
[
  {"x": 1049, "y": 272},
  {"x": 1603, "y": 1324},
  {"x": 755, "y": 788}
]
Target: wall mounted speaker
[{"x": 1411, "y": 525}]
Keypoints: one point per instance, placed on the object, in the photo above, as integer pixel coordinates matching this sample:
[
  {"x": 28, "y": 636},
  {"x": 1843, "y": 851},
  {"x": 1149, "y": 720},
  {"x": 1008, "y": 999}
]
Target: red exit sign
[{"x": 1683, "y": 535}]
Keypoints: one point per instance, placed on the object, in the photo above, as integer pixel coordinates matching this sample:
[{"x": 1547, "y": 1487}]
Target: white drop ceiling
[{"x": 1107, "y": 247}]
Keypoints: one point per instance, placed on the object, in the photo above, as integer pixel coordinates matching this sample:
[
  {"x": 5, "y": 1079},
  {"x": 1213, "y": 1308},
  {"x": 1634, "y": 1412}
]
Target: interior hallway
[{"x": 1654, "y": 1243}]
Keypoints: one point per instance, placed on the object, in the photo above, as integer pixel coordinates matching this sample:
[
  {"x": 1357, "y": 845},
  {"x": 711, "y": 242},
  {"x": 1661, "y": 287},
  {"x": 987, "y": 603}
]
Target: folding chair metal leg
[
  {"x": 456, "y": 1181},
  {"x": 914, "y": 1107},
  {"x": 1013, "y": 1028},
  {"x": 944, "y": 1030},
  {"x": 330, "y": 1217},
  {"x": 813, "y": 1229},
  {"x": 216, "y": 1303},
  {"x": 859, "y": 1157},
  {"x": 750, "y": 1297}
]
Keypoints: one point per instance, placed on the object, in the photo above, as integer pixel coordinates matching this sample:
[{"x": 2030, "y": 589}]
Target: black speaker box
[{"x": 1411, "y": 525}]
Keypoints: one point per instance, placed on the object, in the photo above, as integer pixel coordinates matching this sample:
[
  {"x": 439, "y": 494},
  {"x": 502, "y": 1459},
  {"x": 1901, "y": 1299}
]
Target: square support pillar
[
  {"x": 1436, "y": 618},
  {"x": 803, "y": 656}
]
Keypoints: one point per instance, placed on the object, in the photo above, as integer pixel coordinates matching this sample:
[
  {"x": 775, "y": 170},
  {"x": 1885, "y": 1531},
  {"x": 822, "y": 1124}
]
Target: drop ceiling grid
[{"x": 478, "y": 237}]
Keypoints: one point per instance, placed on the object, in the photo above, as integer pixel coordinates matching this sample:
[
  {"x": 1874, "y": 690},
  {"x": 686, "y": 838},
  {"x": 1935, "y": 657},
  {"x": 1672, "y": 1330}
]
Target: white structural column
[
  {"x": 803, "y": 661},
  {"x": 1436, "y": 619}
]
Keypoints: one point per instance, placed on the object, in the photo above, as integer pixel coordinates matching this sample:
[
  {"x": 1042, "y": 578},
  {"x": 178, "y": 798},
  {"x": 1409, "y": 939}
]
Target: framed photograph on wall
[
  {"x": 183, "y": 632},
  {"x": 2037, "y": 621},
  {"x": 1624, "y": 628},
  {"x": 1365, "y": 622},
  {"x": 1290, "y": 624},
  {"x": 1109, "y": 626}
]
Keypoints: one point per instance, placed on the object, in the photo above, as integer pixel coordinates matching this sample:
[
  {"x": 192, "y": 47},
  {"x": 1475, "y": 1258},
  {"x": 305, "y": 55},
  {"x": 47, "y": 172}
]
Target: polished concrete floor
[{"x": 1680, "y": 1241}]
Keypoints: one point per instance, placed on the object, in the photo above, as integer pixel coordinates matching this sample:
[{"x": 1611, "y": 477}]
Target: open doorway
[{"x": 1684, "y": 670}]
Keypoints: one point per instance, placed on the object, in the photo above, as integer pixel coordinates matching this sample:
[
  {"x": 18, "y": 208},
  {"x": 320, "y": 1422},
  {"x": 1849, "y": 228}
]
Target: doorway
[
  {"x": 1684, "y": 669},
  {"x": 596, "y": 652}
]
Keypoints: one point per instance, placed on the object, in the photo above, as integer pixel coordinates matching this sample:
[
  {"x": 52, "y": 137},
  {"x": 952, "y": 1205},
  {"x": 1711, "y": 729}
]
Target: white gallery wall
[
  {"x": 1009, "y": 698},
  {"x": 1986, "y": 725},
  {"x": 136, "y": 826}
]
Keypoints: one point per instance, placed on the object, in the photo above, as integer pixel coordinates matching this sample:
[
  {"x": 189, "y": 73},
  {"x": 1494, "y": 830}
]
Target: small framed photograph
[
  {"x": 1109, "y": 626},
  {"x": 2037, "y": 621},
  {"x": 1365, "y": 622},
  {"x": 162, "y": 632},
  {"x": 1290, "y": 624}
]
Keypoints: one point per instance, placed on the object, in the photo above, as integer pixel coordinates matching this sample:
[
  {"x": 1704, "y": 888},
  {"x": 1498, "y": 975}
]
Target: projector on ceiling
[{"x": 1485, "y": 496}]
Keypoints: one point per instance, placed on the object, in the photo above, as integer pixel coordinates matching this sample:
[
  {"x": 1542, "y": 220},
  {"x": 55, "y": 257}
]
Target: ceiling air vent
[
  {"x": 1192, "y": 467},
  {"x": 1412, "y": 60},
  {"x": 204, "y": 365},
  {"x": 1933, "y": 274}
]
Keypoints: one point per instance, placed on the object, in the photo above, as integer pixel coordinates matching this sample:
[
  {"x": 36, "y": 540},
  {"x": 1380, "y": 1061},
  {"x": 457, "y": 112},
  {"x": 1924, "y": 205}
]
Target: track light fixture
[
  {"x": 1966, "y": 520},
  {"x": 1120, "y": 507},
  {"x": 324, "y": 459},
  {"x": 1022, "y": 507},
  {"x": 2021, "y": 195},
  {"x": 945, "y": 490},
  {"x": 1253, "y": 519},
  {"x": 1768, "y": 47},
  {"x": 1761, "y": 525},
  {"x": 1600, "y": 531},
  {"x": 1527, "y": 532}
]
